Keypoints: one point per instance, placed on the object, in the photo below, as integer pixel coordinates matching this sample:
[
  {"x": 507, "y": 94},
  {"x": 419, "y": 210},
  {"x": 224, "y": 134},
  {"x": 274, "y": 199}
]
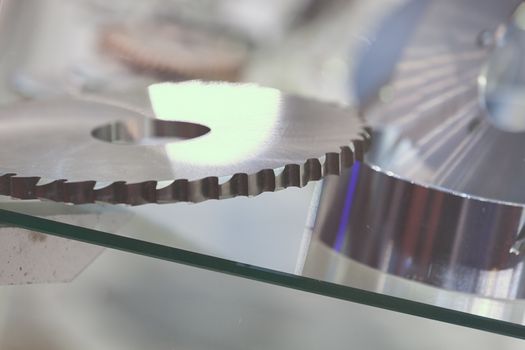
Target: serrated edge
[{"x": 181, "y": 190}]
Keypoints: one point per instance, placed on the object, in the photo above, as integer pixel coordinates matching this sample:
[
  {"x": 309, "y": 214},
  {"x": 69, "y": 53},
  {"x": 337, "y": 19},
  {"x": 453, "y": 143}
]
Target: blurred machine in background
[{"x": 94, "y": 46}]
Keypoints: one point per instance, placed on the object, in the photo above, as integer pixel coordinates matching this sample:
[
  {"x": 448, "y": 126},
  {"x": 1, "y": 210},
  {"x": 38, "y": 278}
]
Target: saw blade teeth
[
  {"x": 262, "y": 181},
  {"x": 5, "y": 184},
  {"x": 346, "y": 157},
  {"x": 236, "y": 186},
  {"x": 23, "y": 187},
  {"x": 115, "y": 193},
  {"x": 182, "y": 190},
  {"x": 50, "y": 190},
  {"x": 331, "y": 164},
  {"x": 204, "y": 189},
  {"x": 367, "y": 137},
  {"x": 141, "y": 193},
  {"x": 176, "y": 191},
  {"x": 360, "y": 147},
  {"x": 312, "y": 171},
  {"x": 289, "y": 177},
  {"x": 78, "y": 192}
]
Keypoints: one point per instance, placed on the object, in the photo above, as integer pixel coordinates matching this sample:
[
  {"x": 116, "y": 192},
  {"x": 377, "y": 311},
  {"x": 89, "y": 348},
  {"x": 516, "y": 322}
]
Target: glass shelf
[
  {"x": 317, "y": 270},
  {"x": 125, "y": 300}
]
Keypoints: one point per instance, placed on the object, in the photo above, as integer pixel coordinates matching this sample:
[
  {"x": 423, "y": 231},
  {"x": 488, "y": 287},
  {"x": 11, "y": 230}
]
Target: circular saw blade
[
  {"x": 181, "y": 142},
  {"x": 171, "y": 49},
  {"x": 432, "y": 127}
]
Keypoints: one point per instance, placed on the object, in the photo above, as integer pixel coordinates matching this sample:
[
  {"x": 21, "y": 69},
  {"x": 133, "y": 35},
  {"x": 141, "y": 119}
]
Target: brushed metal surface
[
  {"x": 175, "y": 142},
  {"x": 431, "y": 122},
  {"x": 442, "y": 201},
  {"x": 439, "y": 238}
]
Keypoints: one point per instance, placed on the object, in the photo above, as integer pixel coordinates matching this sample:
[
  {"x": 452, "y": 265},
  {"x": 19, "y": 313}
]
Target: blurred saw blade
[
  {"x": 431, "y": 122},
  {"x": 175, "y": 142},
  {"x": 175, "y": 50}
]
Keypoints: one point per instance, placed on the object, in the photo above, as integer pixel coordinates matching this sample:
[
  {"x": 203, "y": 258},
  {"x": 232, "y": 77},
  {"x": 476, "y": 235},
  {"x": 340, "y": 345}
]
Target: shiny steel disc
[
  {"x": 434, "y": 120},
  {"x": 175, "y": 142}
]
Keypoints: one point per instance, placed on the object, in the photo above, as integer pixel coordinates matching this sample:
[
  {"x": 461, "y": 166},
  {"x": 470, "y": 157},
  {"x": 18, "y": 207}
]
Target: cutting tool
[{"x": 173, "y": 142}]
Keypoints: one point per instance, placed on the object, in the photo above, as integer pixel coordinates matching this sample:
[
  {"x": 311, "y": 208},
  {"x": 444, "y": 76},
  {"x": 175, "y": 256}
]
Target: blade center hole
[{"x": 148, "y": 132}]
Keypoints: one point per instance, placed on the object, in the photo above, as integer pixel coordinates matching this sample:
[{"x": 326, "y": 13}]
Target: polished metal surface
[
  {"x": 176, "y": 142},
  {"x": 325, "y": 264},
  {"x": 441, "y": 201},
  {"x": 431, "y": 119},
  {"x": 439, "y": 238}
]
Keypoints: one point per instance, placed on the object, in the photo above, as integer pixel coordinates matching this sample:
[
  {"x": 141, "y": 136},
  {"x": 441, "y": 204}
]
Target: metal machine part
[
  {"x": 442, "y": 201},
  {"x": 328, "y": 265},
  {"x": 432, "y": 124},
  {"x": 189, "y": 142},
  {"x": 435, "y": 237}
]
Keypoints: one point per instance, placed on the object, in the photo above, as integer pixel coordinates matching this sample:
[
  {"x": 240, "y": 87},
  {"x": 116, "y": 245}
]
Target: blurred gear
[{"x": 171, "y": 50}]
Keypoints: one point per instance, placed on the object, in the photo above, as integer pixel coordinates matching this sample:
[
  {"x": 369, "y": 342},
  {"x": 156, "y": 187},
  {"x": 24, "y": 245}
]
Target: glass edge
[{"x": 288, "y": 280}]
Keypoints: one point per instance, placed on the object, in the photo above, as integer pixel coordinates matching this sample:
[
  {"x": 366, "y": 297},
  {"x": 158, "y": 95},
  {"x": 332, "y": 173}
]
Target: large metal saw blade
[{"x": 174, "y": 142}]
